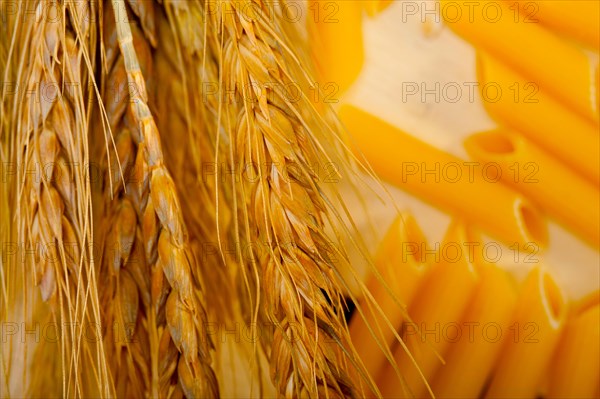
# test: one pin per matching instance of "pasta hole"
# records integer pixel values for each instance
(494, 143)
(553, 297)
(533, 225)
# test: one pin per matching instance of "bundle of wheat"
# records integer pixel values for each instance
(234, 221)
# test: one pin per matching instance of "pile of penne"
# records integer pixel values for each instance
(461, 326)
(468, 328)
(543, 57)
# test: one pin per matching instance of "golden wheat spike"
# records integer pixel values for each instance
(46, 121)
(184, 311)
(295, 281)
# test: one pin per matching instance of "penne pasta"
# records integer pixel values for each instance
(374, 7)
(575, 369)
(335, 29)
(562, 193)
(456, 186)
(470, 360)
(435, 313)
(532, 337)
(578, 20)
(586, 302)
(564, 70)
(400, 263)
(566, 135)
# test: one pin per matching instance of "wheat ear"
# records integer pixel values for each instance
(125, 273)
(299, 284)
(180, 63)
(166, 233)
(192, 73)
(50, 132)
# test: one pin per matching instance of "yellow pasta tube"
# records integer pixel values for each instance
(400, 263)
(571, 199)
(459, 187)
(470, 360)
(435, 313)
(575, 369)
(538, 320)
(579, 20)
(374, 7)
(565, 70)
(586, 302)
(566, 135)
(335, 28)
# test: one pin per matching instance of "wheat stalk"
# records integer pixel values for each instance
(193, 120)
(51, 200)
(125, 269)
(182, 66)
(167, 247)
(297, 278)
(130, 245)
